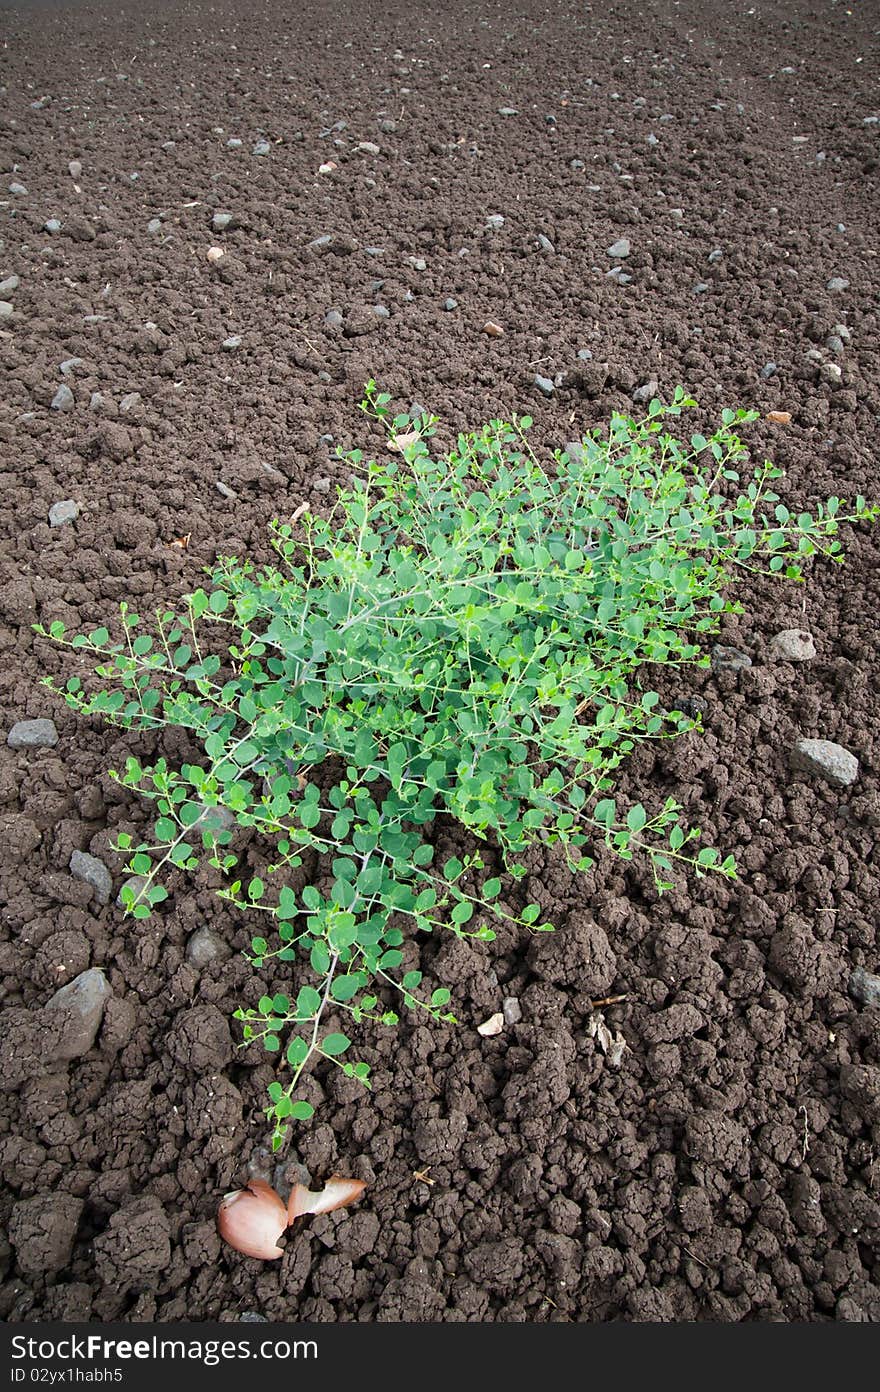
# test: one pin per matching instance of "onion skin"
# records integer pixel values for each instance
(337, 1193)
(252, 1220)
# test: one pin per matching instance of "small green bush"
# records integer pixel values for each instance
(463, 637)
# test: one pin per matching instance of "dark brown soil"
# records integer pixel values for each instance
(728, 1169)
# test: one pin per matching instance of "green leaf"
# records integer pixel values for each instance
(308, 1002)
(335, 1044)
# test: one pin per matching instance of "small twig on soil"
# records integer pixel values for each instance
(424, 1176)
(608, 1000)
(806, 1141)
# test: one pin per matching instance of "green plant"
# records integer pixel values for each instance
(463, 637)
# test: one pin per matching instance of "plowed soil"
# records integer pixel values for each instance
(728, 1168)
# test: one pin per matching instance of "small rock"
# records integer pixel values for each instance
(367, 147)
(82, 1001)
(647, 391)
(130, 403)
(136, 884)
(450, 304)
(768, 370)
(715, 256)
(544, 385)
(220, 222)
(492, 329)
(225, 491)
(864, 986)
(545, 244)
(381, 311)
(494, 1025)
(837, 283)
(511, 1010)
(577, 165)
(9, 286)
(52, 226)
(32, 734)
(215, 254)
(830, 372)
(495, 222)
(251, 1316)
(793, 645)
(261, 148)
(62, 513)
(619, 249)
(725, 659)
(230, 344)
(507, 111)
(20, 191)
(840, 329)
(825, 759)
(834, 344)
(204, 947)
(93, 872)
(70, 364)
(5, 309)
(233, 143)
(700, 288)
(320, 243)
(75, 169)
(154, 226)
(333, 319)
(63, 400)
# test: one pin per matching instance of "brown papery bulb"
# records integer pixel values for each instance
(252, 1220)
(337, 1193)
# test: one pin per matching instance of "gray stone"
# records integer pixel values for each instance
(507, 111)
(225, 491)
(768, 370)
(793, 645)
(495, 221)
(374, 251)
(82, 1001)
(154, 226)
(130, 403)
(136, 883)
(825, 759)
(320, 243)
(577, 165)
(834, 344)
(62, 513)
(864, 986)
(233, 143)
(418, 263)
(367, 147)
(75, 169)
(450, 304)
(70, 365)
(221, 221)
(52, 226)
(843, 332)
(20, 191)
(230, 344)
(585, 355)
(545, 245)
(5, 309)
(261, 148)
(33, 734)
(619, 249)
(544, 385)
(837, 283)
(700, 288)
(726, 659)
(647, 391)
(93, 872)
(204, 948)
(381, 311)
(715, 256)
(830, 372)
(251, 1317)
(9, 285)
(511, 1010)
(63, 400)
(218, 818)
(333, 319)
